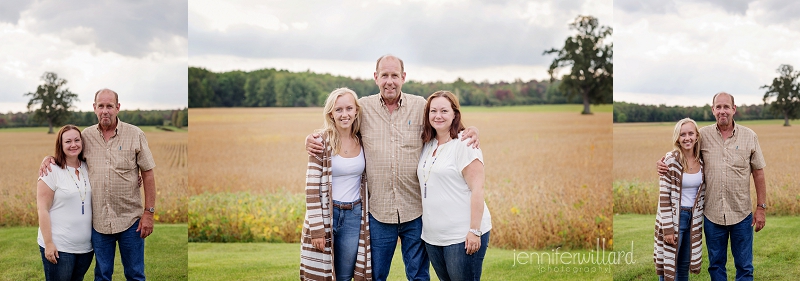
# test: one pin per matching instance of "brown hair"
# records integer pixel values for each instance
(60, 156)
(378, 63)
(428, 132)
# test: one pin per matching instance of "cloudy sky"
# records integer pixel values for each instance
(137, 48)
(683, 52)
(438, 40)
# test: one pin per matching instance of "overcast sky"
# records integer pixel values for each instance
(137, 48)
(683, 52)
(438, 40)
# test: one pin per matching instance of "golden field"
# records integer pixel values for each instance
(23, 152)
(548, 175)
(638, 146)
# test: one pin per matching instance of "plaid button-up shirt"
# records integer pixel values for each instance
(113, 173)
(392, 146)
(728, 166)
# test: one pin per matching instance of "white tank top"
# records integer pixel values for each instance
(690, 184)
(346, 172)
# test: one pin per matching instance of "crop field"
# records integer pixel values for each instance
(637, 147)
(548, 174)
(23, 151)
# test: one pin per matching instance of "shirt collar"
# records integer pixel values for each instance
(733, 133)
(399, 102)
(116, 129)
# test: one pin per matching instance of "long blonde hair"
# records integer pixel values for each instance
(329, 125)
(676, 135)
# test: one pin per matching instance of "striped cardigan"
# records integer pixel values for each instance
(668, 219)
(316, 264)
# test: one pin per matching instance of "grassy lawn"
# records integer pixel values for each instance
(577, 108)
(775, 251)
(281, 261)
(56, 128)
(165, 254)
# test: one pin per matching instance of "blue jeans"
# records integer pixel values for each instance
(346, 231)
(741, 235)
(383, 239)
(684, 257)
(131, 251)
(452, 262)
(70, 267)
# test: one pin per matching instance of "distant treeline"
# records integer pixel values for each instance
(281, 88)
(631, 112)
(178, 118)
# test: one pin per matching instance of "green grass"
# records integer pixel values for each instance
(165, 254)
(577, 108)
(146, 129)
(775, 251)
(281, 261)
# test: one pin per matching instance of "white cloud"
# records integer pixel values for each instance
(448, 36)
(149, 74)
(696, 51)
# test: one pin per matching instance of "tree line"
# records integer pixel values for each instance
(282, 88)
(177, 118)
(586, 54)
(781, 99)
(632, 112)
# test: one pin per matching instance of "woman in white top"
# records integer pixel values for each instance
(679, 219)
(455, 219)
(335, 241)
(64, 203)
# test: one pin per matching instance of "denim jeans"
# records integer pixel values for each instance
(70, 267)
(131, 251)
(346, 231)
(452, 262)
(383, 239)
(741, 236)
(684, 257)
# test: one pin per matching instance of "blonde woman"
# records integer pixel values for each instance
(335, 241)
(64, 203)
(679, 219)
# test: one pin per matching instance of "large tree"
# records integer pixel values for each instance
(54, 100)
(591, 61)
(786, 91)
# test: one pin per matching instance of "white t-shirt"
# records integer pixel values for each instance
(689, 186)
(346, 177)
(70, 225)
(445, 193)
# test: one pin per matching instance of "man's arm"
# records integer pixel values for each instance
(471, 133)
(146, 223)
(313, 145)
(45, 169)
(661, 167)
(760, 218)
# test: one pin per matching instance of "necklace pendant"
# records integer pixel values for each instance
(81, 208)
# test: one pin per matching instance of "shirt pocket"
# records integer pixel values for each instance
(741, 158)
(412, 135)
(124, 160)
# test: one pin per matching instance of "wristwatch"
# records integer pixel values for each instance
(763, 206)
(152, 210)
(476, 232)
